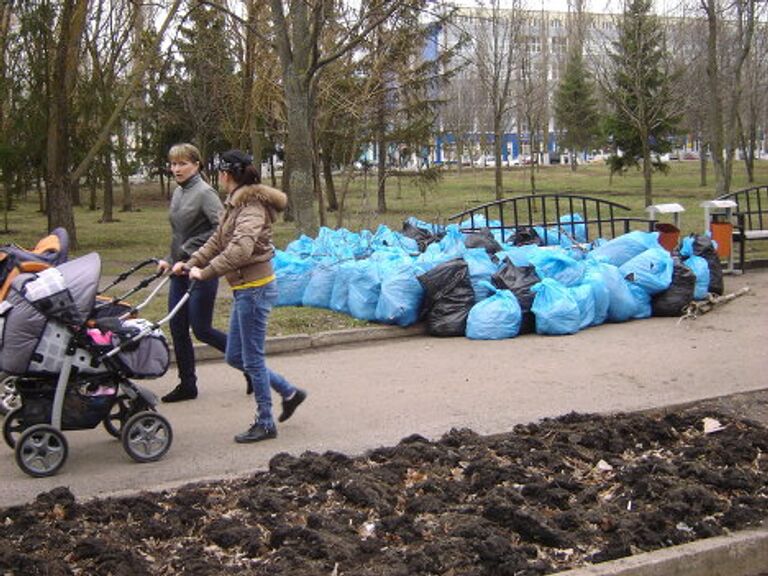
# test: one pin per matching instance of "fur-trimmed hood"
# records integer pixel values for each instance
(259, 192)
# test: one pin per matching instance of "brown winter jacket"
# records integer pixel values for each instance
(241, 247)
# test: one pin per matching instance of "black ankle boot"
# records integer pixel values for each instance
(180, 393)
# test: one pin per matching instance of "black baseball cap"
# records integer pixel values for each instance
(234, 161)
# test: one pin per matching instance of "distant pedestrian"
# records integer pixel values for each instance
(241, 250)
(194, 215)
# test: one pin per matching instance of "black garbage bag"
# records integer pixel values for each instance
(519, 280)
(448, 298)
(422, 236)
(703, 246)
(680, 293)
(525, 235)
(482, 239)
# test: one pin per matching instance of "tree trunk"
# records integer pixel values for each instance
(107, 214)
(532, 138)
(716, 136)
(5, 22)
(122, 162)
(298, 154)
(381, 171)
(498, 175)
(92, 191)
(330, 186)
(71, 27)
(647, 173)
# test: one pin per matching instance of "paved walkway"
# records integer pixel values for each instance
(374, 393)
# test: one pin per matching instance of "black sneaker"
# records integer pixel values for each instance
(290, 405)
(180, 393)
(256, 433)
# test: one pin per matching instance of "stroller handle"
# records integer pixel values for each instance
(153, 325)
(123, 275)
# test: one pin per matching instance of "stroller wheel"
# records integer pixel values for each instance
(147, 436)
(41, 450)
(13, 426)
(9, 397)
(119, 413)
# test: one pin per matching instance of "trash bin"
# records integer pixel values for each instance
(669, 235)
(722, 233)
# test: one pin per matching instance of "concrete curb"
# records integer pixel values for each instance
(739, 554)
(301, 342)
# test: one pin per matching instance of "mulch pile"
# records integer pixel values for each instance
(543, 498)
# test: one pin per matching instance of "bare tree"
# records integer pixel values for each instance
(497, 34)
(70, 31)
(725, 63)
(106, 42)
(298, 27)
(459, 114)
(688, 46)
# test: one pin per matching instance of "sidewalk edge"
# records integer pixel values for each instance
(743, 553)
(302, 342)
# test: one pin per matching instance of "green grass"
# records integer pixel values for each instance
(145, 232)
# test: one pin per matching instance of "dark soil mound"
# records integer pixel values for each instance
(543, 498)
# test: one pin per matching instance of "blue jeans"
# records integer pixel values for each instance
(246, 347)
(197, 314)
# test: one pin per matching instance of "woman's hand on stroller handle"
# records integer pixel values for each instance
(179, 268)
(163, 266)
(195, 273)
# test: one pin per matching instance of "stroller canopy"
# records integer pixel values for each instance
(64, 295)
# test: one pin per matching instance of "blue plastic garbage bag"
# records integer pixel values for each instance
(481, 268)
(302, 246)
(364, 289)
(643, 306)
(495, 317)
(320, 286)
(340, 292)
(623, 248)
(293, 273)
(555, 309)
(452, 244)
(429, 226)
(622, 305)
(401, 295)
(585, 299)
(340, 244)
(518, 255)
(700, 268)
(383, 237)
(556, 264)
(651, 270)
(703, 245)
(573, 225)
(596, 281)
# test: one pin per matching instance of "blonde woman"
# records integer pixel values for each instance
(194, 215)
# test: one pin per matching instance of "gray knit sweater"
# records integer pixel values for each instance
(194, 215)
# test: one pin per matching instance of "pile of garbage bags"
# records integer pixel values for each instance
(476, 285)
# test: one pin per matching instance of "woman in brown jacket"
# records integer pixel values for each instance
(241, 250)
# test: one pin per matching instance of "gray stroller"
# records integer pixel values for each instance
(74, 358)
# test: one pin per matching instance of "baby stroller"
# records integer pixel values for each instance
(74, 357)
(50, 251)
